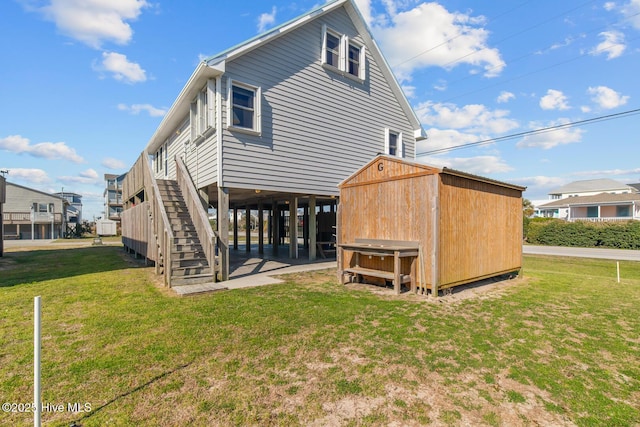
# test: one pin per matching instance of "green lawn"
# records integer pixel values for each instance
(559, 347)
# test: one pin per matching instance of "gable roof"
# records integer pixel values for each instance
(215, 66)
(598, 199)
(11, 184)
(603, 184)
(412, 168)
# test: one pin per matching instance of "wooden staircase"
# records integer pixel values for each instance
(189, 265)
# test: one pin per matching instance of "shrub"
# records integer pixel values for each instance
(556, 232)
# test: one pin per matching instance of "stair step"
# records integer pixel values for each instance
(186, 241)
(190, 271)
(192, 280)
(187, 248)
(189, 263)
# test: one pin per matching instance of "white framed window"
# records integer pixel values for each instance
(356, 60)
(203, 111)
(343, 55)
(393, 145)
(244, 107)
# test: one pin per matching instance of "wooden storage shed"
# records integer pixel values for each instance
(462, 227)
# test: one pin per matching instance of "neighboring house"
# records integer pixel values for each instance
(590, 187)
(3, 186)
(74, 208)
(274, 124)
(636, 186)
(113, 197)
(599, 207)
(32, 214)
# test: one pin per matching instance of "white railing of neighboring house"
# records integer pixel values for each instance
(603, 219)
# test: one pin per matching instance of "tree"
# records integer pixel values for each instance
(527, 208)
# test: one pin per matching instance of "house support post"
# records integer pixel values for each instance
(312, 228)
(247, 231)
(293, 228)
(275, 223)
(223, 231)
(260, 228)
(235, 228)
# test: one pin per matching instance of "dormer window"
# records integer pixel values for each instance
(343, 55)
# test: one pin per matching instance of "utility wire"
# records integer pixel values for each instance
(533, 132)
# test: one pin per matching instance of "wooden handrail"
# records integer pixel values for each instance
(197, 212)
(163, 228)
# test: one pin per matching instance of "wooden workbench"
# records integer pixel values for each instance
(381, 248)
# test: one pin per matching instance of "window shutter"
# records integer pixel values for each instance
(193, 117)
(344, 53)
(323, 53)
(211, 103)
(386, 140)
(363, 63)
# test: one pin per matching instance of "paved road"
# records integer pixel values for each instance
(617, 254)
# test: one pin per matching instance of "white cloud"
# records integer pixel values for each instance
(266, 19)
(632, 11)
(138, 108)
(450, 39)
(554, 100)
(608, 172)
(475, 118)
(613, 45)
(121, 68)
(442, 139)
(111, 163)
(94, 22)
(48, 150)
(35, 176)
(90, 176)
(550, 139)
(609, 6)
(607, 98)
(505, 97)
(476, 165)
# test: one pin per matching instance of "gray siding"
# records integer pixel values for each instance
(20, 199)
(318, 127)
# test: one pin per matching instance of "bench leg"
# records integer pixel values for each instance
(414, 276)
(396, 272)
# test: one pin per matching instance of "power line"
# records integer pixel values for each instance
(533, 132)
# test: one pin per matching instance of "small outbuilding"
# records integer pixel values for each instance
(435, 228)
(106, 227)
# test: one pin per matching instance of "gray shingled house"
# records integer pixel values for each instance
(270, 125)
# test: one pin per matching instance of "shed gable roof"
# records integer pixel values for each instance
(387, 168)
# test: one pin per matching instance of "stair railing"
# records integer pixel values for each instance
(197, 213)
(163, 230)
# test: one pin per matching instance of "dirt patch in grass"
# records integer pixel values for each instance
(7, 263)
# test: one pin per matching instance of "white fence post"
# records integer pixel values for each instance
(37, 401)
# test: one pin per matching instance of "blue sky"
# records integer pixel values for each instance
(84, 84)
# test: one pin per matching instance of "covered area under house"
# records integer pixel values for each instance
(213, 234)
